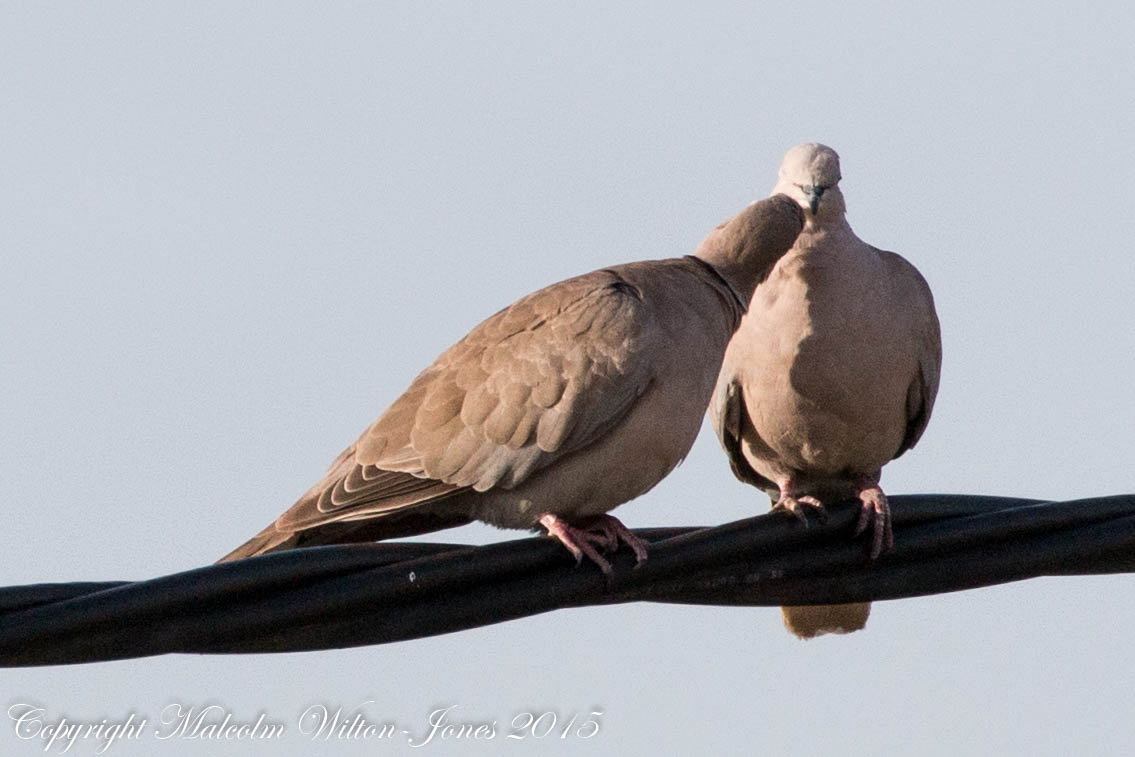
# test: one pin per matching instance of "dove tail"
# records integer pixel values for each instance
(269, 540)
(393, 526)
(810, 621)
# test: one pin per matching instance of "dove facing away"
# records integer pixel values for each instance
(832, 373)
(553, 411)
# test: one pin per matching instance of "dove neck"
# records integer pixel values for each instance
(726, 290)
(820, 228)
(741, 280)
(741, 258)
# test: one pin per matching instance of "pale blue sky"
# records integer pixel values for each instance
(229, 236)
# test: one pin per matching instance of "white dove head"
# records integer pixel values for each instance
(810, 175)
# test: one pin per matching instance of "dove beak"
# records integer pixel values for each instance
(814, 194)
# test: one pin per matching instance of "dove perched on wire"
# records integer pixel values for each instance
(557, 409)
(832, 373)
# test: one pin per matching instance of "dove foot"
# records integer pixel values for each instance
(792, 501)
(604, 532)
(876, 512)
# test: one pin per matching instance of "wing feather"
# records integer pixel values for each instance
(534, 382)
(928, 335)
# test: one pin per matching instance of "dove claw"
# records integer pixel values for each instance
(604, 532)
(799, 505)
(876, 511)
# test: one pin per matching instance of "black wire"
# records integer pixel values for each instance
(352, 595)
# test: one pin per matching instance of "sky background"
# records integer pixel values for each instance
(231, 234)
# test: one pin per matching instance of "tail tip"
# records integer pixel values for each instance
(810, 621)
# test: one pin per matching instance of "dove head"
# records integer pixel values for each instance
(809, 174)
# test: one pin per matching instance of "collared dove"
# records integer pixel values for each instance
(832, 373)
(552, 412)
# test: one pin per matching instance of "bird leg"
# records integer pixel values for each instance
(876, 511)
(791, 500)
(604, 531)
(613, 531)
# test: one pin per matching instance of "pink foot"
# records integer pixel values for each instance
(792, 501)
(604, 531)
(877, 512)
